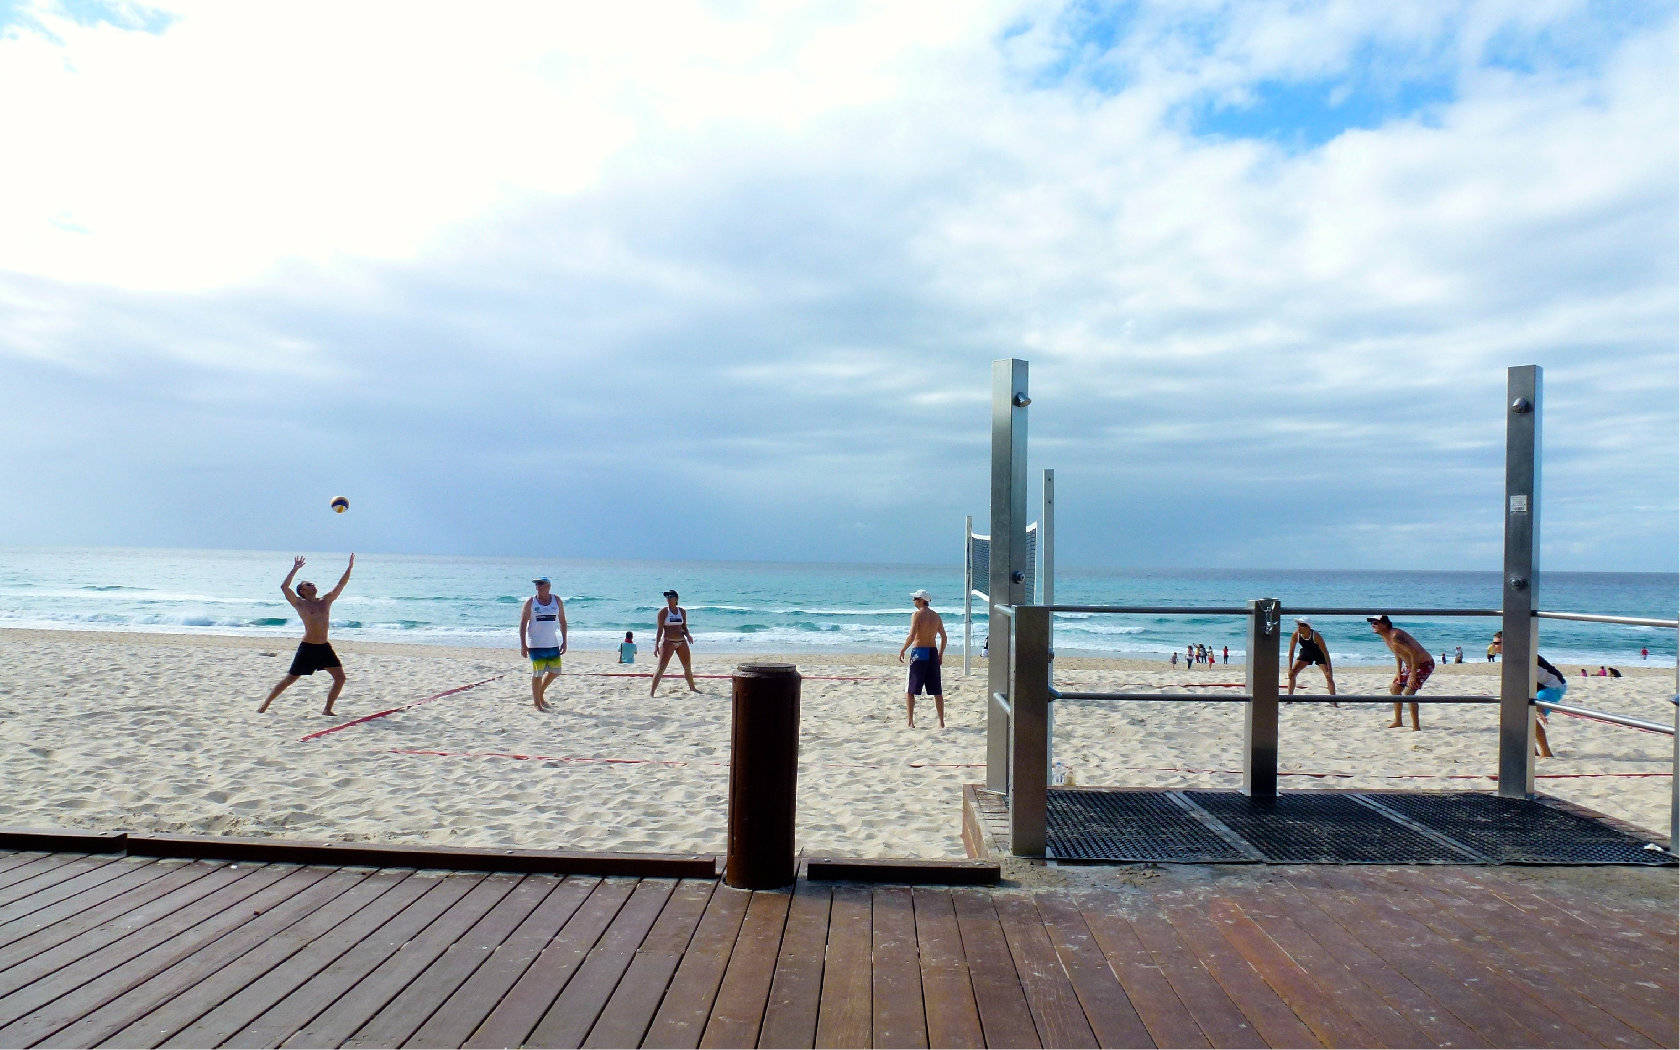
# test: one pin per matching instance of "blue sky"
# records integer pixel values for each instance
(725, 281)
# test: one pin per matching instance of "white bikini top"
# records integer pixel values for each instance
(673, 618)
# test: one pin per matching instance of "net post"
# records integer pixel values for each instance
(1007, 567)
(1260, 720)
(1029, 745)
(1047, 551)
(1521, 585)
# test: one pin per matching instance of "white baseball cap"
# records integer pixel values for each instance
(923, 595)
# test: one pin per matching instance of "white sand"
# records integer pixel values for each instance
(160, 733)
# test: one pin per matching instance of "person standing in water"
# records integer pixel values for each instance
(672, 635)
(314, 653)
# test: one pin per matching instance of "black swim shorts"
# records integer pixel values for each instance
(312, 657)
(924, 673)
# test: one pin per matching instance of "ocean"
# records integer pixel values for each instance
(794, 608)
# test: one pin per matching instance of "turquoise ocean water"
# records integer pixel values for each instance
(771, 608)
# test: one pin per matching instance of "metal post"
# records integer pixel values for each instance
(1007, 585)
(1521, 580)
(1047, 587)
(1029, 745)
(1674, 780)
(968, 588)
(1260, 723)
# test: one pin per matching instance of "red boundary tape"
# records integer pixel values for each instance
(397, 710)
(678, 674)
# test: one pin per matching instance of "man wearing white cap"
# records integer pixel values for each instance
(542, 638)
(925, 657)
(1313, 651)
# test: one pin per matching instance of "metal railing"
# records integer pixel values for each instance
(1027, 707)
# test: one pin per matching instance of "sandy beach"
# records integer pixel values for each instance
(160, 732)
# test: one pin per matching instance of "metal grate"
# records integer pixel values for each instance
(1321, 827)
(1107, 825)
(1521, 831)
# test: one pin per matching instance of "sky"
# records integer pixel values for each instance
(726, 281)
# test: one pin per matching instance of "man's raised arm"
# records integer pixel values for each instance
(342, 580)
(286, 584)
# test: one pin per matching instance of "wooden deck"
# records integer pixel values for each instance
(145, 951)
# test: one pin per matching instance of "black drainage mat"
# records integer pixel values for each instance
(1520, 831)
(1321, 827)
(1106, 825)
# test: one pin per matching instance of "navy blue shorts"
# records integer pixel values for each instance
(312, 657)
(924, 672)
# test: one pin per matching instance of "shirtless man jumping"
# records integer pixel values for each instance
(1412, 663)
(925, 658)
(314, 653)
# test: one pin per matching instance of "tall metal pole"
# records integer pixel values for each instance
(1047, 587)
(1260, 722)
(1030, 736)
(968, 588)
(1521, 580)
(1007, 585)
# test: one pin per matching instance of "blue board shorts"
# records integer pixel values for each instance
(924, 672)
(545, 661)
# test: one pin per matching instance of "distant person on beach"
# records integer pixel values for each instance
(1174, 659)
(1227, 654)
(672, 636)
(627, 648)
(542, 637)
(1458, 654)
(1314, 650)
(926, 628)
(1549, 687)
(314, 653)
(1497, 646)
(1413, 664)
(1644, 654)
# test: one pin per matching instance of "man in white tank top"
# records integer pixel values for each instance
(542, 637)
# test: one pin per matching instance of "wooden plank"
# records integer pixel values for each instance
(371, 991)
(1221, 1020)
(625, 1019)
(790, 1015)
(1588, 916)
(398, 1019)
(453, 1022)
(1005, 1018)
(1412, 1003)
(1113, 1019)
(12, 858)
(1435, 968)
(511, 1021)
(1527, 958)
(681, 1017)
(569, 1020)
(1454, 945)
(153, 1010)
(739, 1008)
(1057, 1013)
(844, 1010)
(79, 889)
(1271, 1017)
(63, 840)
(457, 859)
(953, 1018)
(239, 904)
(1385, 1024)
(904, 872)
(1311, 1001)
(89, 978)
(899, 1016)
(298, 953)
(321, 988)
(1163, 1013)
(95, 933)
(21, 867)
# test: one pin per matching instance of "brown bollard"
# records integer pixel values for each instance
(763, 776)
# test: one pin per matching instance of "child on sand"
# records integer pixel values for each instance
(627, 648)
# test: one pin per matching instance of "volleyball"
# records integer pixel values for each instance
(340, 505)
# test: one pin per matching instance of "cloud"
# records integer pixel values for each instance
(738, 274)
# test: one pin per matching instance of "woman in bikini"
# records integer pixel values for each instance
(672, 636)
